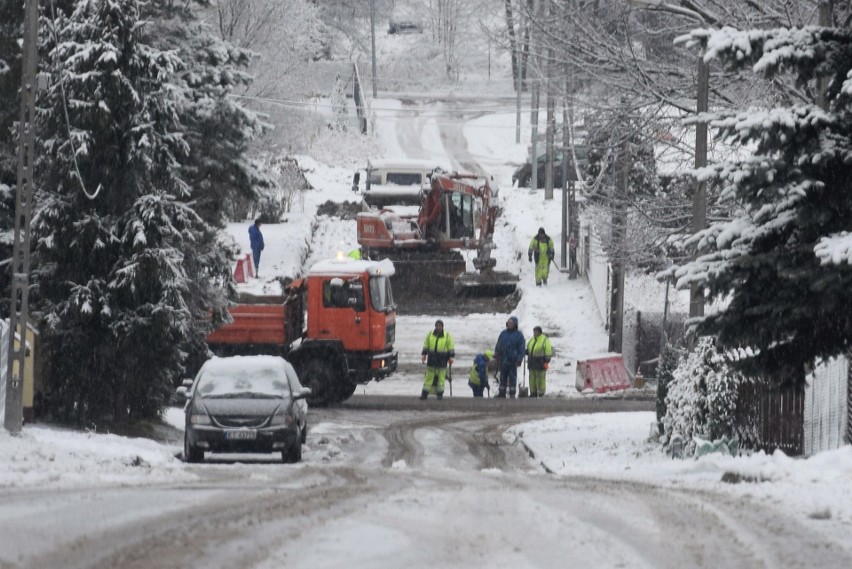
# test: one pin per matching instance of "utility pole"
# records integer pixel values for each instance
(551, 111)
(619, 195)
(566, 205)
(826, 7)
(535, 99)
(373, 43)
(14, 410)
(699, 201)
(519, 79)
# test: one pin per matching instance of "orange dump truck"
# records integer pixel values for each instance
(336, 325)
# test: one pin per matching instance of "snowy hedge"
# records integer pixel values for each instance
(701, 398)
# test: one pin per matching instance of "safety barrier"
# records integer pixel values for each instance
(602, 374)
(240, 271)
(249, 266)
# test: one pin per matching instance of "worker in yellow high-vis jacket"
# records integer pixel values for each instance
(438, 352)
(539, 351)
(541, 250)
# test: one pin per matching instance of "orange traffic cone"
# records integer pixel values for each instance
(240, 271)
(249, 266)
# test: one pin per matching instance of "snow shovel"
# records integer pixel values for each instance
(450, 378)
(558, 270)
(523, 390)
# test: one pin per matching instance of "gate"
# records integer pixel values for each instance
(769, 417)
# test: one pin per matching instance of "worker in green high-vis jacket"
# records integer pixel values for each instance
(542, 252)
(539, 351)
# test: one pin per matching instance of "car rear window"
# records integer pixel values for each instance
(260, 381)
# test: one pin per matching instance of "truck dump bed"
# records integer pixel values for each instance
(253, 324)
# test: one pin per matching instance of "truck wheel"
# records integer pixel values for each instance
(320, 378)
(346, 390)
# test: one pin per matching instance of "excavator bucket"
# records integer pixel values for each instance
(425, 273)
(494, 283)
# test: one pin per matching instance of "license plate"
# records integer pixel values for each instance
(241, 435)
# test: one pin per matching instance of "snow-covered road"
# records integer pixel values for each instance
(385, 489)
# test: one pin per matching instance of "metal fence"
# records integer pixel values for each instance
(826, 400)
(799, 420)
(598, 271)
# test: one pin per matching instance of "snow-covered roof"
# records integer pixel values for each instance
(404, 164)
(243, 365)
(351, 267)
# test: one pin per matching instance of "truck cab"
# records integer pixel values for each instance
(336, 325)
(351, 302)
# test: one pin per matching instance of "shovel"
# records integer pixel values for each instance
(523, 390)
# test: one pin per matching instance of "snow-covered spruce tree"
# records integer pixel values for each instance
(665, 375)
(111, 244)
(785, 263)
(702, 397)
(11, 30)
(218, 128)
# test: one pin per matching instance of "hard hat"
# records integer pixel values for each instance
(489, 354)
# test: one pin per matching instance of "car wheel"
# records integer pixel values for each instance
(294, 454)
(304, 437)
(320, 377)
(191, 453)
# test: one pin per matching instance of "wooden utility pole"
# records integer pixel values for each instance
(536, 80)
(619, 212)
(551, 112)
(14, 409)
(826, 8)
(373, 45)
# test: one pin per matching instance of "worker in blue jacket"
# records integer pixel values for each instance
(256, 243)
(509, 353)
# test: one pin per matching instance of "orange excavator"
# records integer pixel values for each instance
(455, 215)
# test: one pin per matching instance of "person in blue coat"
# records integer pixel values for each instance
(509, 353)
(256, 242)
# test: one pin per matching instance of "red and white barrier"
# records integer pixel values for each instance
(602, 373)
(240, 271)
(249, 266)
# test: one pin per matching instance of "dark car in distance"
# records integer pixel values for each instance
(245, 404)
(523, 175)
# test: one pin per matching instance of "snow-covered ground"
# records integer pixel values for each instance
(816, 491)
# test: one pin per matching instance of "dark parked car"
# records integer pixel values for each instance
(245, 404)
(405, 27)
(523, 175)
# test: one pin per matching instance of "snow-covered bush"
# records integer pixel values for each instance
(701, 397)
(665, 375)
(338, 103)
